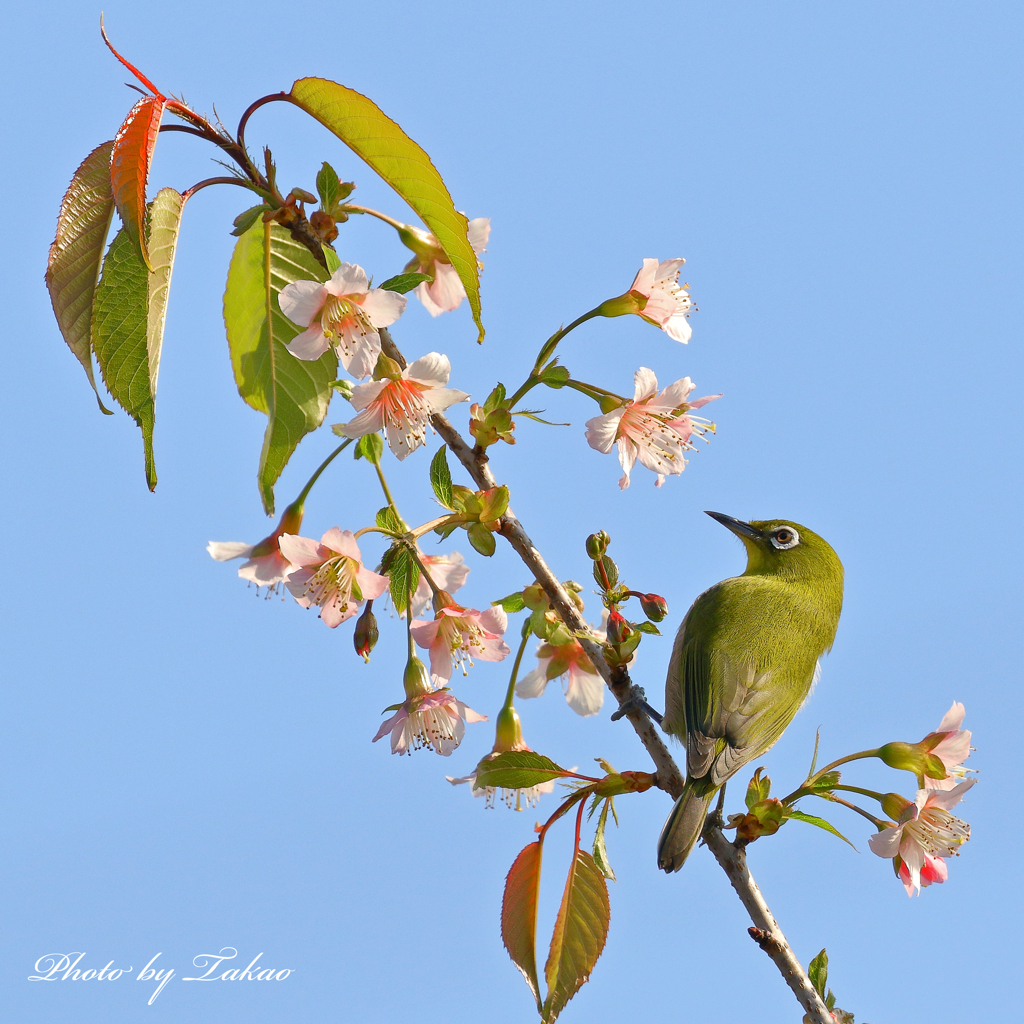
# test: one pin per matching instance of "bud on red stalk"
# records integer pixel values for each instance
(597, 544)
(655, 607)
(366, 634)
(618, 628)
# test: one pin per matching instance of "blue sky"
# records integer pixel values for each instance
(188, 767)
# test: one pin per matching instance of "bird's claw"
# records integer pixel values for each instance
(636, 701)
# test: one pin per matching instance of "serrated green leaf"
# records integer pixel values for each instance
(519, 914)
(369, 447)
(828, 781)
(129, 315)
(494, 503)
(403, 576)
(76, 255)
(758, 789)
(812, 819)
(403, 283)
(581, 930)
(481, 538)
(512, 603)
(610, 568)
(441, 477)
(247, 218)
(292, 393)
(328, 185)
(495, 398)
(555, 377)
(647, 627)
(600, 848)
(387, 520)
(517, 769)
(378, 140)
(817, 971)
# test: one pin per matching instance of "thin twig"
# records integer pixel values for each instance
(766, 932)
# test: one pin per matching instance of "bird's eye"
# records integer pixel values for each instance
(785, 538)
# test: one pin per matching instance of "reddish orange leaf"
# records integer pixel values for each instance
(519, 915)
(129, 166)
(131, 67)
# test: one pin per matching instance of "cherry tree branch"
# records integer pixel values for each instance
(733, 859)
(766, 931)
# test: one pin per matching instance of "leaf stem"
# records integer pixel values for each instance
(877, 822)
(188, 193)
(396, 224)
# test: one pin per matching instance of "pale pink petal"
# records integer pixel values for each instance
(934, 870)
(424, 631)
(953, 718)
(423, 294)
(358, 352)
(913, 860)
(310, 344)
(678, 328)
(342, 541)
(479, 233)
(886, 843)
(433, 369)
(469, 714)
(446, 291)
(382, 307)
(584, 692)
(449, 572)
(534, 683)
(370, 583)
(645, 384)
(223, 550)
(301, 301)
(266, 570)
(644, 280)
(674, 395)
(390, 723)
(335, 612)
(297, 582)
(439, 399)
(491, 649)
(954, 749)
(947, 800)
(601, 430)
(301, 550)
(661, 306)
(348, 279)
(627, 460)
(440, 661)
(364, 394)
(494, 619)
(697, 403)
(668, 270)
(369, 421)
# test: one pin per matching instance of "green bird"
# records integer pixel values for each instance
(744, 660)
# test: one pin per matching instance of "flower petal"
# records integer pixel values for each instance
(383, 308)
(301, 550)
(953, 718)
(348, 279)
(584, 692)
(301, 301)
(886, 843)
(310, 344)
(533, 683)
(478, 233)
(645, 383)
(224, 550)
(602, 430)
(433, 369)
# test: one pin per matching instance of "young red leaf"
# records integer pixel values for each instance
(76, 255)
(581, 929)
(519, 915)
(129, 166)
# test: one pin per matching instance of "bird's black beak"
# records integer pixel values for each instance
(737, 526)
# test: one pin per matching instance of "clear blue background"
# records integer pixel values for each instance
(186, 766)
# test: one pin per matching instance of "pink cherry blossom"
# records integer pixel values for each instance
(668, 305)
(584, 688)
(932, 870)
(952, 749)
(434, 719)
(457, 635)
(403, 407)
(446, 291)
(448, 572)
(266, 566)
(330, 574)
(654, 428)
(926, 829)
(345, 312)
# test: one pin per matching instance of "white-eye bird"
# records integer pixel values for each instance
(744, 660)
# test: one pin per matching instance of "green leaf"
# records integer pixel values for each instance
(76, 255)
(387, 520)
(555, 377)
(517, 769)
(600, 849)
(758, 789)
(403, 576)
(292, 393)
(481, 538)
(369, 447)
(378, 140)
(519, 914)
(344, 388)
(581, 929)
(441, 477)
(403, 283)
(511, 604)
(647, 627)
(495, 502)
(610, 568)
(495, 398)
(817, 971)
(828, 781)
(129, 314)
(247, 218)
(812, 819)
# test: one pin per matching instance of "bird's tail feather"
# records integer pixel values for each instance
(682, 830)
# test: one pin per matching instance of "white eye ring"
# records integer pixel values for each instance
(794, 538)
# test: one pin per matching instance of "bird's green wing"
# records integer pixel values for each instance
(744, 667)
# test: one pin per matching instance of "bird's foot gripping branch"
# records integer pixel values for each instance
(306, 326)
